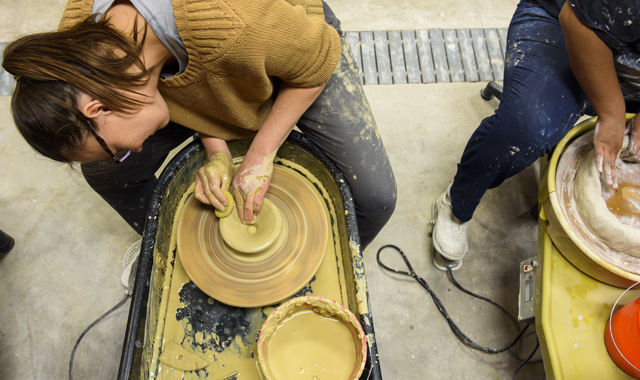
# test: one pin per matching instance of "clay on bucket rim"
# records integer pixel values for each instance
(298, 304)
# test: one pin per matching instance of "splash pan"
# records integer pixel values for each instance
(177, 331)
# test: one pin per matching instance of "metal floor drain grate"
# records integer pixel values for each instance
(429, 56)
(410, 56)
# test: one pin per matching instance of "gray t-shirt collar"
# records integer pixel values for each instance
(159, 16)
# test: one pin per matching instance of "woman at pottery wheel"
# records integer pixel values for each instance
(563, 60)
(124, 82)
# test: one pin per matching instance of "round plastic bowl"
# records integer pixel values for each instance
(624, 326)
(316, 341)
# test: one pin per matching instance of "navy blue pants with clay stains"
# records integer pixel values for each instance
(340, 122)
(541, 102)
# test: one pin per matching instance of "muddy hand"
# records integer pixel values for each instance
(608, 142)
(212, 178)
(251, 183)
(631, 151)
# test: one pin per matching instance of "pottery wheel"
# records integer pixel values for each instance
(266, 276)
(611, 215)
(568, 166)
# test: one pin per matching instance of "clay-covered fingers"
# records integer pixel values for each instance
(249, 187)
(199, 191)
(258, 201)
(248, 213)
(607, 143)
(631, 150)
(208, 191)
(241, 205)
(609, 173)
(245, 195)
(212, 179)
(605, 163)
(240, 201)
(251, 183)
(252, 202)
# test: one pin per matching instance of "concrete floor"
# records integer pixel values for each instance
(65, 268)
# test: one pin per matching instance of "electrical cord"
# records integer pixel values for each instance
(502, 309)
(130, 265)
(73, 352)
(440, 306)
(517, 356)
(515, 374)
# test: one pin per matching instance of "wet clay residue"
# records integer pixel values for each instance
(590, 193)
(308, 345)
(312, 338)
(221, 336)
(566, 171)
(214, 325)
(625, 202)
(179, 357)
(277, 262)
(257, 237)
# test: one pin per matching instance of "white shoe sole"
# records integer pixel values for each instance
(129, 264)
(440, 261)
(444, 264)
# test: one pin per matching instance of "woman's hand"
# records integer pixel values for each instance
(607, 142)
(252, 180)
(251, 183)
(212, 178)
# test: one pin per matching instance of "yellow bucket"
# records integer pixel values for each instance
(312, 338)
(572, 247)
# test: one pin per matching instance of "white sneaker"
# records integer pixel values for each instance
(129, 264)
(449, 233)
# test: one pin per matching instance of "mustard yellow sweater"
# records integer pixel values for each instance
(236, 49)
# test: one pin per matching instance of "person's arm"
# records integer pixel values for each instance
(592, 64)
(252, 180)
(216, 173)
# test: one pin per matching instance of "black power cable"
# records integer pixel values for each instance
(526, 360)
(454, 327)
(103, 316)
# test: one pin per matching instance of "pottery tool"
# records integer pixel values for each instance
(229, 376)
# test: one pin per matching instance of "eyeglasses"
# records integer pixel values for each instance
(118, 156)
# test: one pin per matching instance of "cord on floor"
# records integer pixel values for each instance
(454, 327)
(515, 374)
(73, 352)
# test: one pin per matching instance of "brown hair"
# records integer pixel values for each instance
(52, 68)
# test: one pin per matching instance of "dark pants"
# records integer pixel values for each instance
(541, 102)
(340, 122)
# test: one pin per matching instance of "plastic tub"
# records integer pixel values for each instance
(622, 338)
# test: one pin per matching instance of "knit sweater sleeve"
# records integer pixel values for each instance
(301, 50)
